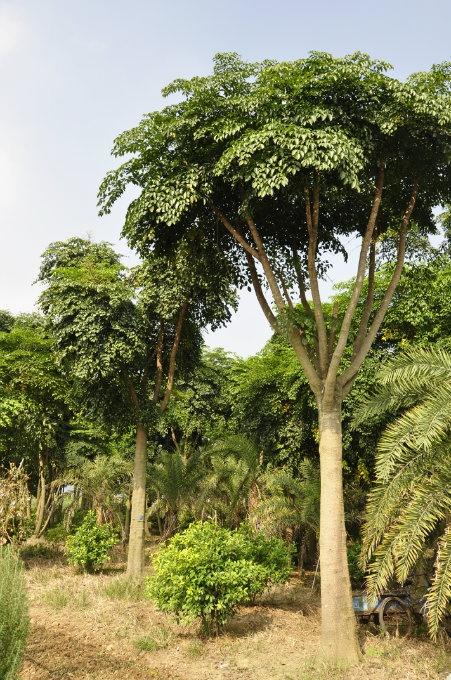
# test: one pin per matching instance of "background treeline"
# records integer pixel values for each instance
(238, 441)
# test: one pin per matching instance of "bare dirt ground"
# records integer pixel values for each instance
(86, 627)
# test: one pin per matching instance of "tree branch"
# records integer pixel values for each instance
(293, 332)
(133, 397)
(302, 354)
(333, 329)
(159, 363)
(301, 283)
(312, 227)
(173, 356)
(267, 311)
(286, 292)
(262, 256)
(350, 373)
(329, 385)
(368, 306)
(235, 233)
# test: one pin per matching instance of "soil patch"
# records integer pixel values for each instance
(84, 627)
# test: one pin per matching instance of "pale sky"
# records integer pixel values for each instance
(75, 74)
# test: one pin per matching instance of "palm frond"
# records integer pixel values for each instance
(412, 496)
(440, 592)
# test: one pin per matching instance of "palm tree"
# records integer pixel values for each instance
(228, 488)
(289, 504)
(175, 477)
(410, 506)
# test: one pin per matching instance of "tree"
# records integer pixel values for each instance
(411, 502)
(226, 494)
(285, 425)
(293, 159)
(289, 503)
(201, 410)
(123, 334)
(14, 505)
(104, 482)
(34, 410)
(176, 477)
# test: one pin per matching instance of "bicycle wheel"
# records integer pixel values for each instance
(395, 617)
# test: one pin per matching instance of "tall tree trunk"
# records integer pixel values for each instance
(338, 623)
(40, 498)
(135, 559)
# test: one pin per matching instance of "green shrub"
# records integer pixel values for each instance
(271, 553)
(13, 614)
(89, 547)
(206, 571)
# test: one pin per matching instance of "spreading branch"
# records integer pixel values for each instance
(368, 305)
(330, 382)
(301, 283)
(159, 363)
(267, 311)
(333, 329)
(235, 233)
(173, 356)
(312, 218)
(361, 351)
(263, 257)
(294, 333)
(133, 397)
(286, 291)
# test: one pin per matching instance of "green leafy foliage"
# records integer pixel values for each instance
(14, 621)
(356, 572)
(206, 571)
(14, 505)
(233, 471)
(176, 479)
(284, 426)
(56, 534)
(203, 404)
(90, 546)
(288, 501)
(34, 396)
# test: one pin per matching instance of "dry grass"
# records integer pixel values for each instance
(99, 627)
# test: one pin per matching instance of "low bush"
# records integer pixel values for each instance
(90, 546)
(14, 620)
(271, 553)
(206, 571)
